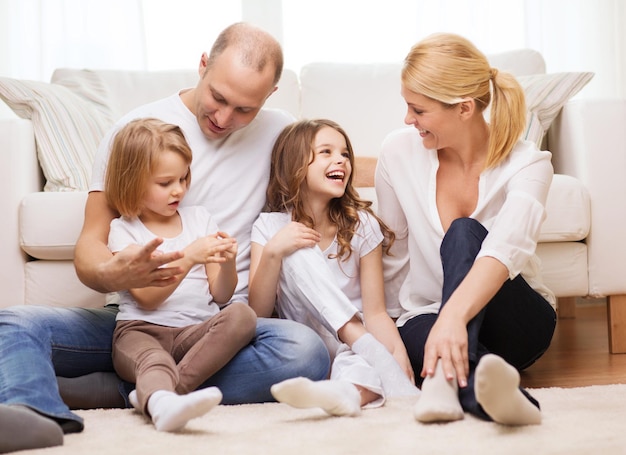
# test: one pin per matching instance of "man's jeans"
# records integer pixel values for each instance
(39, 343)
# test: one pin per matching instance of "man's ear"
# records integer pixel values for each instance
(270, 93)
(204, 61)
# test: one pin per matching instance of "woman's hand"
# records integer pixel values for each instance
(447, 342)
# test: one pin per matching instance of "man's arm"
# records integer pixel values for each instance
(133, 267)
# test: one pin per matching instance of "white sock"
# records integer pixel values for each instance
(497, 391)
(171, 412)
(439, 400)
(134, 401)
(394, 379)
(336, 397)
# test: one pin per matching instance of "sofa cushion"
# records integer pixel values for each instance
(545, 96)
(69, 118)
(54, 283)
(335, 90)
(568, 209)
(129, 89)
(50, 223)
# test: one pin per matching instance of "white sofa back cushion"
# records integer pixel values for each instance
(129, 89)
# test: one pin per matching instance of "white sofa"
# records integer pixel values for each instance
(581, 250)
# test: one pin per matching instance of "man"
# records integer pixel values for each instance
(231, 137)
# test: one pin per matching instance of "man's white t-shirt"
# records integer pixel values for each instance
(228, 176)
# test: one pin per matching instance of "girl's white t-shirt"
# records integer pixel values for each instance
(347, 272)
(191, 302)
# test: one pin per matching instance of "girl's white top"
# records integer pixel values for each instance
(191, 302)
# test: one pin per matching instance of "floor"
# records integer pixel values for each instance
(579, 354)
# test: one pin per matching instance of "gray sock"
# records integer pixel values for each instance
(394, 379)
(92, 391)
(21, 428)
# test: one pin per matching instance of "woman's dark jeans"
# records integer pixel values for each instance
(517, 324)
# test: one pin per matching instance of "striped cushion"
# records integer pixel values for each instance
(545, 96)
(69, 117)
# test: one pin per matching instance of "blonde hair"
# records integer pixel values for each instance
(134, 154)
(448, 68)
(291, 156)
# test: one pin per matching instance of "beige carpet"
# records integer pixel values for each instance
(587, 420)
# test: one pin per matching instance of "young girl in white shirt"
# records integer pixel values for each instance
(315, 220)
(170, 339)
(466, 199)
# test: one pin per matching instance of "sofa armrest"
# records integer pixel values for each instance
(588, 141)
(19, 175)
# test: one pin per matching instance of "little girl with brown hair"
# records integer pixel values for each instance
(315, 220)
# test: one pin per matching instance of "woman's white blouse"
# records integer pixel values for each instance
(511, 206)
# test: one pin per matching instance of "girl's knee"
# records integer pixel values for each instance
(241, 318)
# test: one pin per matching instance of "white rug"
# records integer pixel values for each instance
(586, 420)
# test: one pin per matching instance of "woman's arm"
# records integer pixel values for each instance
(377, 320)
(448, 337)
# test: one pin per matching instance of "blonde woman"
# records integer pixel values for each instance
(465, 197)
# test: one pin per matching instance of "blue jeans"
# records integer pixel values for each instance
(39, 343)
(517, 324)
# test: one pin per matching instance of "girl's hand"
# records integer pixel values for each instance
(229, 254)
(291, 238)
(447, 342)
(214, 248)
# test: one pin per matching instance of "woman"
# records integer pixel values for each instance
(466, 199)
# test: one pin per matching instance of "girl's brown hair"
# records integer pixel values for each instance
(291, 156)
(449, 68)
(134, 154)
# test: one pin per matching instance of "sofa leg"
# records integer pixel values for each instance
(616, 319)
(566, 307)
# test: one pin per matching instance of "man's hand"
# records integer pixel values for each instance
(140, 266)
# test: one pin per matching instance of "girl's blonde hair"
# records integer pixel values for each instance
(134, 154)
(448, 68)
(291, 156)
